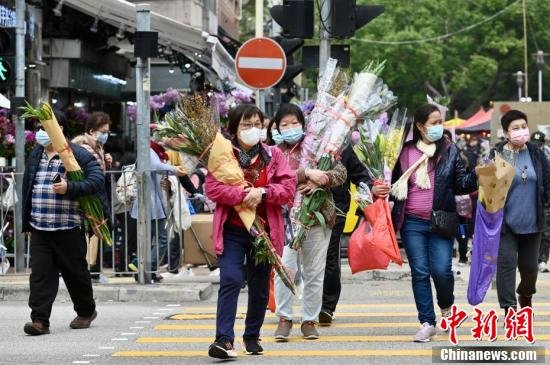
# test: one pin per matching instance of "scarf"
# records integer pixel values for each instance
(160, 151)
(400, 189)
(245, 157)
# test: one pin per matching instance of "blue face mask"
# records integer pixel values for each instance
(435, 133)
(102, 137)
(276, 137)
(42, 138)
(293, 135)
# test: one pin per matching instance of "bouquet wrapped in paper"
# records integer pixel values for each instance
(328, 133)
(90, 205)
(381, 144)
(192, 130)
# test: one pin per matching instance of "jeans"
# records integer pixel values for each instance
(235, 262)
(332, 286)
(429, 255)
(517, 252)
(314, 254)
(53, 253)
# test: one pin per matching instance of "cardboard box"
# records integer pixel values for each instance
(198, 248)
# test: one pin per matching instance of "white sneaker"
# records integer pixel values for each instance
(543, 267)
(215, 272)
(102, 279)
(174, 277)
(425, 334)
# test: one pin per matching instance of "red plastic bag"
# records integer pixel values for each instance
(374, 244)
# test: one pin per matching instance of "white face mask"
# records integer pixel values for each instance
(263, 135)
(250, 137)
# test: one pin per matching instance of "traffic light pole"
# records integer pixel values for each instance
(260, 94)
(19, 134)
(324, 44)
(143, 92)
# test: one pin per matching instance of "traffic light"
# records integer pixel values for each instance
(347, 17)
(295, 17)
(290, 46)
(7, 57)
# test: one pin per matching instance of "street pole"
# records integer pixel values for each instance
(19, 133)
(524, 5)
(260, 94)
(540, 65)
(143, 92)
(324, 44)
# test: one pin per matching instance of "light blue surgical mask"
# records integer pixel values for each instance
(435, 133)
(42, 138)
(276, 137)
(102, 137)
(293, 135)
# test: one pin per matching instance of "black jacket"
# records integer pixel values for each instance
(451, 179)
(357, 173)
(93, 184)
(542, 168)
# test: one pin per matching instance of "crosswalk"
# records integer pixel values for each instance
(360, 331)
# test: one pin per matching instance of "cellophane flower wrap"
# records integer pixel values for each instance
(90, 205)
(329, 128)
(193, 130)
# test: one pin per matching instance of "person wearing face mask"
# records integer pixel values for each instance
(270, 183)
(52, 215)
(524, 218)
(428, 175)
(96, 134)
(290, 122)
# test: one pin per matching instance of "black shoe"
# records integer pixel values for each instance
(325, 317)
(36, 328)
(222, 350)
(252, 346)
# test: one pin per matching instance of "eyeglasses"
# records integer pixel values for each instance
(248, 125)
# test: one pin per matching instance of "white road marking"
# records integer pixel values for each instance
(137, 328)
(106, 347)
(150, 317)
(119, 339)
(142, 322)
(128, 334)
(91, 355)
(173, 305)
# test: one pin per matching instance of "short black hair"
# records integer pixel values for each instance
(62, 120)
(240, 112)
(510, 116)
(289, 109)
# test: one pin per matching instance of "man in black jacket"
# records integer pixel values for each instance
(357, 173)
(51, 213)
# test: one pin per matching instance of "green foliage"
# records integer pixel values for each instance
(471, 68)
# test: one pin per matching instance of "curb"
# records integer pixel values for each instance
(194, 292)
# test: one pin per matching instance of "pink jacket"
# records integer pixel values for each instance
(280, 190)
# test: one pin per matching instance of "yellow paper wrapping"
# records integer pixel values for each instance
(225, 168)
(495, 180)
(60, 144)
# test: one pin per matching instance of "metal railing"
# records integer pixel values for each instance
(122, 258)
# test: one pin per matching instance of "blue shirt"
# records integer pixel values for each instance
(51, 211)
(520, 211)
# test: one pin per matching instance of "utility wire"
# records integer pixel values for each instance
(443, 36)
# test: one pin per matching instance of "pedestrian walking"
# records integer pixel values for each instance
(271, 184)
(524, 219)
(428, 175)
(290, 123)
(52, 215)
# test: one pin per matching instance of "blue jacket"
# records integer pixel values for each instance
(93, 184)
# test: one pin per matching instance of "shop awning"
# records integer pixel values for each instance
(453, 123)
(479, 118)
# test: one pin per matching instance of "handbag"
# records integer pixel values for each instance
(444, 223)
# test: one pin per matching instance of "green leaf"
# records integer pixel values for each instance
(321, 220)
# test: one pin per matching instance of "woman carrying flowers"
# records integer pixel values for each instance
(428, 175)
(290, 123)
(271, 184)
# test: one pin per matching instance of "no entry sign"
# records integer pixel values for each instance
(260, 63)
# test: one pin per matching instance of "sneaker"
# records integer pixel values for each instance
(100, 279)
(543, 267)
(525, 301)
(426, 332)
(252, 346)
(133, 265)
(222, 350)
(155, 279)
(36, 328)
(325, 317)
(283, 330)
(309, 331)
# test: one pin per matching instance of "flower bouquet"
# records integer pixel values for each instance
(363, 196)
(192, 130)
(90, 205)
(328, 133)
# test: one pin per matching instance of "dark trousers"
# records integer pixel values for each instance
(517, 251)
(53, 253)
(332, 285)
(236, 262)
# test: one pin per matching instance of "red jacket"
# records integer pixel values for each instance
(280, 190)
